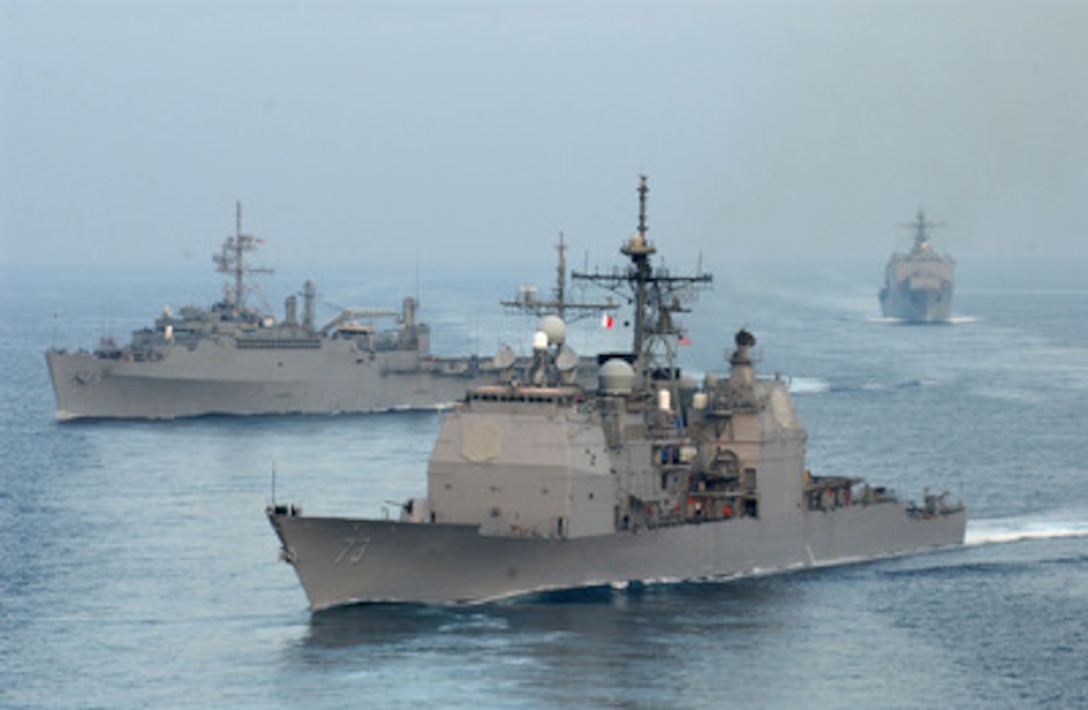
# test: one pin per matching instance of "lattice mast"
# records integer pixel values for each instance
(656, 297)
(231, 259)
(559, 304)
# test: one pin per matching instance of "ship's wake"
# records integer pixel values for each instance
(951, 320)
(817, 385)
(808, 385)
(984, 532)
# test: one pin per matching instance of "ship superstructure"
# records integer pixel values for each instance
(536, 483)
(918, 284)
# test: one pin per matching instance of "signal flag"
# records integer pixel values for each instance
(606, 320)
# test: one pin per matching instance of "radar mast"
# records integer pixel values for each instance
(921, 237)
(558, 304)
(656, 295)
(231, 259)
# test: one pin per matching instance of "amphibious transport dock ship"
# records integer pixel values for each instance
(918, 284)
(537, 484)
(233, 359)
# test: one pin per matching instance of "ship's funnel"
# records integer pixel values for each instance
(742, 373)
(309, 293)
(745, 341)
(290, 309)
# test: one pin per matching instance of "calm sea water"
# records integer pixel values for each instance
(137, 568)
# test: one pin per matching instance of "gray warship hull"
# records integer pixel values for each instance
(215, 378)
(917, 304)
(343, 561)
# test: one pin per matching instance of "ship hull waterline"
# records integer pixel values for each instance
(342, 561)
(90, 387)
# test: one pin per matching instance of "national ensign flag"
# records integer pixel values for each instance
(606, 320)
(684, 339)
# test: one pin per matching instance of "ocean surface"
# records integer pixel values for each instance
(137, 568)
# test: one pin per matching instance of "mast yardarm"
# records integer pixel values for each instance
(656, 296)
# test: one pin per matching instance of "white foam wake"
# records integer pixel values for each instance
(808, 385)
(982, 532)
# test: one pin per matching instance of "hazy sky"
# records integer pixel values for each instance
(404, 130)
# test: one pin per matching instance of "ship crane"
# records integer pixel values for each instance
(350, 315)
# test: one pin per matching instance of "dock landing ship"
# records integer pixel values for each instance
(233, 359)
(918, 285)
(536, 483)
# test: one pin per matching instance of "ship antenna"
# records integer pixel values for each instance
(558, 304)
(239, 255)
(639, 250)
(643, 188)
(561, 279)
(920, 236)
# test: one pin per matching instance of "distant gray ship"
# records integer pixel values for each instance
(918, 285)
(650, 476)
(233, 359)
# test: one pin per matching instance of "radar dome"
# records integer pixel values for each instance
(617, 377)
(554, 328)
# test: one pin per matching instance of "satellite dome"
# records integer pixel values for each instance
(617, 377)
(554, 328)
